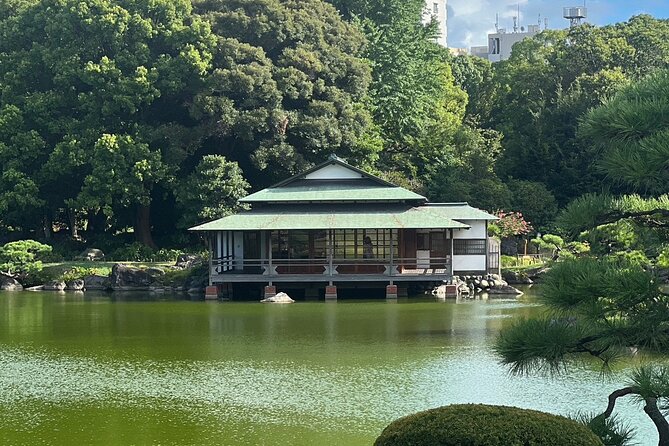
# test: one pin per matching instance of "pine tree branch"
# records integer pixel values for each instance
(641, 217)
(613, 398)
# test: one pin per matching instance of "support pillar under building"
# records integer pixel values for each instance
(330, 292)
(270, 291)
(211, 292)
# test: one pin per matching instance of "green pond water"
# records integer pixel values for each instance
(98, 369)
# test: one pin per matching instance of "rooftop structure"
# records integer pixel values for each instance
(575, 15)
(501, 43)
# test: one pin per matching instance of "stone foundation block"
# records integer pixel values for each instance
(270, 291)
(211, 292)
(330, 292)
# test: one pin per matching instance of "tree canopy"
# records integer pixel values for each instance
(550, 82)
(109, 108)
(159, 90)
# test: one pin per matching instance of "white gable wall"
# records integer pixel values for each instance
(467, 263)
(333, 172)
(477, 229)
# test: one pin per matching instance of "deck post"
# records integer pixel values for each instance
(452, 254)
(392, 248)
(487, 250)
(330, 253)
(269, 256)
(330, 292)
(270, 291)
(211, 263)
(391, 291)
(211, 291)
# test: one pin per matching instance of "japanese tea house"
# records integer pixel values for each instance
(338, 226)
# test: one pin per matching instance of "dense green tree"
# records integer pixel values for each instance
(475, 76)
(288, 87)
(92, 81)
(631, 130)
(466, 173)
(535, 200)
(551, 81)
(108, 107)
(211, 191)
(413, 95)
(22, 258)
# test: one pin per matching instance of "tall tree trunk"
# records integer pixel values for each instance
(96, 221)
(142, 226)
(72, 218)
(47, 226)
(658, 419)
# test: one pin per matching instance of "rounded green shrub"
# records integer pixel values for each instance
(482, 425)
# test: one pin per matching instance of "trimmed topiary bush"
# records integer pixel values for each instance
(482, 425)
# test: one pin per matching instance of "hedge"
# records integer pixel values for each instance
(482, 425)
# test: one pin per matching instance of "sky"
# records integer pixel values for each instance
(470, 21)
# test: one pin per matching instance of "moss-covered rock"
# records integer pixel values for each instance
(482, 425)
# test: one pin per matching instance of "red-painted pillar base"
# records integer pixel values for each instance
(270, 291)
(391, 292)
(211, 292)
(451, 291)
(330, 292)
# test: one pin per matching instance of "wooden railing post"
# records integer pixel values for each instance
(392, 248)
(211, 263)
(330, 253)
(269, 257)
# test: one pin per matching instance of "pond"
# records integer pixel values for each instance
(135, 369)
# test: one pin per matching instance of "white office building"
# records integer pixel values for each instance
(501, 43)
(436, 9)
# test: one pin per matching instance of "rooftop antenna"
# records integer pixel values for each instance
(497, 22)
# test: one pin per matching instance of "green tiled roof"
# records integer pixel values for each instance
(335, 191)
(423, 217)
(459, 211)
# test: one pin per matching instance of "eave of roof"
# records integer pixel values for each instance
(325, 192)
(460, 211)
(421, 217)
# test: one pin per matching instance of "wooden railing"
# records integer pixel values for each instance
(333, 266)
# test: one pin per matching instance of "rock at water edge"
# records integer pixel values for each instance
(508, 290)
(127, 278)
(55, 285)
(92, 254)
(10, 284)
(75, 285)
(96, 283)
(279, 298)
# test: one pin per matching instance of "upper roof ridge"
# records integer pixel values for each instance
(333, 159)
